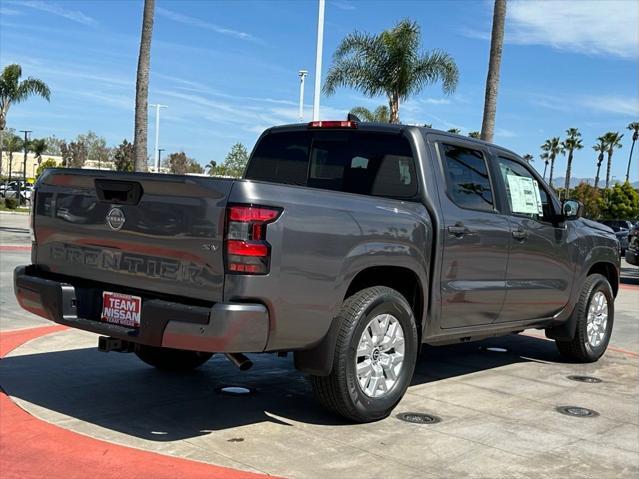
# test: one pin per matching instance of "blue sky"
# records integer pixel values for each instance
(228, 69)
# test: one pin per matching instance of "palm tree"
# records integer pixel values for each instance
(474, 134)
(12, 90)
(390, 64)
(456, 131)
(528, 158)
(546, 157)
(634, 127)
(570, 144)
(428, 125)
(600, 147)
(381, 114)
(613, 140)
(38, 147)
(12, 143)
(142, 88)
(211, 165)
(553, 147)
(494, 64)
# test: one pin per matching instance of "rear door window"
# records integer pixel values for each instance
(367, 163)
(467, 178)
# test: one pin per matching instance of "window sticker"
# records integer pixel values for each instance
(524, 194)
(540, 206)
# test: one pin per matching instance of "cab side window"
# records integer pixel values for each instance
(526, 197)
(467, 178)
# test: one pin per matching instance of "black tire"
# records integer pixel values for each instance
(340, 391)
(579, 349)
(167, 359)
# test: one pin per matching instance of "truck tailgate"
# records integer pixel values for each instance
(159, 233)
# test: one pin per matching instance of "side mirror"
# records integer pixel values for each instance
(572, 209)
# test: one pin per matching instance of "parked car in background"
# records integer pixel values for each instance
(632, 252)
(621, 229)
(25, 192)
(348, 244)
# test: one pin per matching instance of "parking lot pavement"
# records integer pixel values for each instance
(496, 399)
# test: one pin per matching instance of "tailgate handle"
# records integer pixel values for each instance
(118, 191)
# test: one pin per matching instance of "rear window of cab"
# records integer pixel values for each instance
(367, 163)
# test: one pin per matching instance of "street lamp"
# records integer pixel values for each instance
(157, 133)
(318, 61)
(302, 74)
(24, 164)
(160, 150)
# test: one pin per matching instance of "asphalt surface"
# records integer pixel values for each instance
(496, 399)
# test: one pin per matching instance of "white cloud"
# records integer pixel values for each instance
(435, 101)
(504, 133)
(615, 104)
(196, 22)
(56, 9)
(9, 11)
(611, 104)
(593, 27)
(343, 5)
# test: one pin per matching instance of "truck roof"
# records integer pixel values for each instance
(391, 128)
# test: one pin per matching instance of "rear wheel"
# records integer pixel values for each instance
(374, 358)
(594, 317)
(169, 359)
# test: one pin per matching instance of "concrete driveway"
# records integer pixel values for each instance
(497, 401)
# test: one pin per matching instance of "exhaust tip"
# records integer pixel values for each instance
(242, 362)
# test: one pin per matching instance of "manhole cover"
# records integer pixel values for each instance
(418, 418)
(577, 411)
(584, 379)
(235, 390)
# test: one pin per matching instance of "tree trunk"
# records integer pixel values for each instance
(632, 147)
(393, 105)
(568, 172)
(552, 168)
(608, 168)
(1, 148)
(600, 159)
(545, 167)
(142, 88)
(10, 165)
(494, 63)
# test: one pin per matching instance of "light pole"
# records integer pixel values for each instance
(302, 74)
(318, 61)
(157, 133)
(160, 150)
(24, 164)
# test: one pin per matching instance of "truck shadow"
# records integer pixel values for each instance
(120, 393)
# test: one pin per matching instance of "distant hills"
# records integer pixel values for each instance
(559, 182)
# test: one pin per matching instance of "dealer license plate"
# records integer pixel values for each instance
(122, 309)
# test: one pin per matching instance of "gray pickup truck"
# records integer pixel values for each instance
(348, 244)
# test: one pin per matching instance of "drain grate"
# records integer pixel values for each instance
(577, 411)
(418, 418)
(584, 379)
(235, 390)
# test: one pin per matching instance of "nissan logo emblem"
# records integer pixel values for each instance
(115, 219)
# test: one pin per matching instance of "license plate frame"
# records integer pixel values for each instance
(121, 309)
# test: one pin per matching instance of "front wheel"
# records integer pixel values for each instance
(595, 313)
(168, 359)
(374, 358)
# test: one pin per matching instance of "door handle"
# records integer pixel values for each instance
(458, 230)
(520, 234)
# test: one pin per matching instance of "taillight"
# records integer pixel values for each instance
(333, 124)
(247, 251)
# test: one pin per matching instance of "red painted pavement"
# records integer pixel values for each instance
(31, 448)
(11, 247)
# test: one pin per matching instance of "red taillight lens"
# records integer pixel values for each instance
(247, 251)
(333, 124)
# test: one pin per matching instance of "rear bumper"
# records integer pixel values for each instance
(222, 328)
